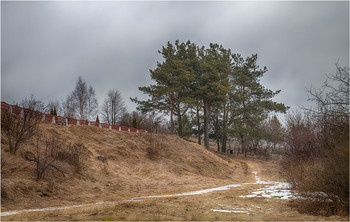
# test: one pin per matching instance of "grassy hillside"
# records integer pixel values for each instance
(138, 164)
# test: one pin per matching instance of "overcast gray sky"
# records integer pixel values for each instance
(45, 46)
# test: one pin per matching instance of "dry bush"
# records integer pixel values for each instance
(317, 164)
(75, 154)
(52, 149)
(45, 162)
(153, 151)
(18, 129)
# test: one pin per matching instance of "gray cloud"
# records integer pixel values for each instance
(47, 45)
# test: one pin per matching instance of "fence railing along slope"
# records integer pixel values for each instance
(60, 120)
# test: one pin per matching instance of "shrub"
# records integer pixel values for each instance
(45, 162)
(317, 164)
(77, 154)
(154, 147)
(19, 129)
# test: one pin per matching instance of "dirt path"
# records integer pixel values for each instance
(198, 192)
(248, 201)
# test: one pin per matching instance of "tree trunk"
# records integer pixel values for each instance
(224, 143)
(218, 143)
(224, 133)
(172, 126)
(217, 129)
(256, 144)
(179, 120)
(206, 125)
(199, 126)
(243, 145)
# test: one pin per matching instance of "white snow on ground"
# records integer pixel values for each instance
(277, 189)
(54, 208)
(258, 180)
(198, 192)
(230, 211)
(234, 210)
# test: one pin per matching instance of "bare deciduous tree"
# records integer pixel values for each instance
(44, 157)
(318, 160)
(92, 104)
(113, 107)
(68, 107)
(20, 128)
(272, 132)
(84, 100)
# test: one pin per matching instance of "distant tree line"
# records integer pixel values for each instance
(82, 103)
(210, 91)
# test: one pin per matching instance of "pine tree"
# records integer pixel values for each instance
(54, 111)
(250, 101)
(172, 91)
(211, 85)
(97, 119)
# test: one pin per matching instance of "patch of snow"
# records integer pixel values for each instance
(198, 192)
(240, 209)
(230, 211)
(41, 209)
(278, 189)
(259, 181)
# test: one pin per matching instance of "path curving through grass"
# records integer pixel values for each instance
(276, 189)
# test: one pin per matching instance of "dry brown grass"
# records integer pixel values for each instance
(179, 166)
(198, 208)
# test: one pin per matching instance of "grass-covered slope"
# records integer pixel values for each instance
(138, 164)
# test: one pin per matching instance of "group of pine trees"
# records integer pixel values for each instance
(218, 88)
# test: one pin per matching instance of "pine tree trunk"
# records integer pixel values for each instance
(199, 127)
(224, 142)
(172, 126)
(217, 129)
(224, 133)
(242, 144)
(179, 119)
(218, 143)
(206, 125)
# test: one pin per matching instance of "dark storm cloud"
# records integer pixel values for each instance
(47, 45)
